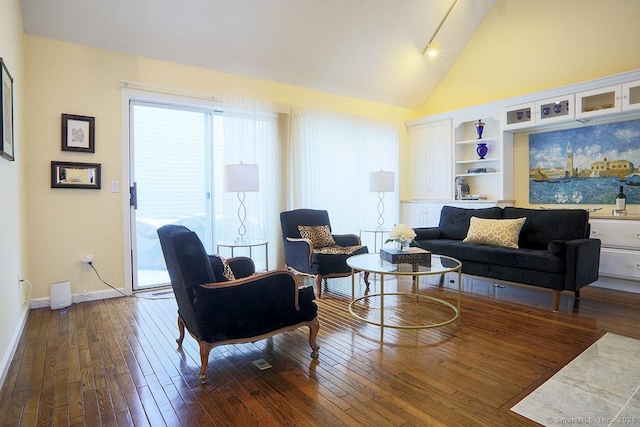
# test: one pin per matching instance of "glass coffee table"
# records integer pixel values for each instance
(372, 263)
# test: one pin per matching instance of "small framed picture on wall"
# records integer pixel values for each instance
(6, 113)
(78, 133)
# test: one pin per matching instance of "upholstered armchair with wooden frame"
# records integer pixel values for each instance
(311, 249)
(224, 302)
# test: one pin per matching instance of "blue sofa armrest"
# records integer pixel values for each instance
(427, 233)
(582, 261)
(298, 253)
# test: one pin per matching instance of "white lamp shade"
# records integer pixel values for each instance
(381, 181)
(241, 177)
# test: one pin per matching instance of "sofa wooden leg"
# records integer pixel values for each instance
(556, 300)
(314, 327)
(319, 285)
(205, 349)
(441, 284)
(181, 329)
(577, 293)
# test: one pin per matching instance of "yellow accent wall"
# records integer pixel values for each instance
(67, 224)
(525, 46)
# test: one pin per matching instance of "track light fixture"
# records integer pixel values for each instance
(432, 48)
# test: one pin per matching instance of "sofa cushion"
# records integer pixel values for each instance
(454, 222)
(498, 232)
(544, 226)
(320, 235)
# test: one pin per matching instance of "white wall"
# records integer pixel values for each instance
(13, 310)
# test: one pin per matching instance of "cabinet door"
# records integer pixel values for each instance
(520, 116)
(432, 160)
(559, 109)
(631, 96)
(598, 102)
(440, 161)
(414, 214)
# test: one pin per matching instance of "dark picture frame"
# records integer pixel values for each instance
(6, 113)
(75, 175)
(78, 133)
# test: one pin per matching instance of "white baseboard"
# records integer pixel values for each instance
(78, 298)
(13, 345)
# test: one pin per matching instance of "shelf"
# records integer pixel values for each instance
(478, 174)
(476, 141)
(461, 162)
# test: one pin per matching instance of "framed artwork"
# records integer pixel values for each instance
(585, 164)
(75, 175)
(78, 133)
(6, 108)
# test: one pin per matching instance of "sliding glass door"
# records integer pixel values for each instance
(170, 161)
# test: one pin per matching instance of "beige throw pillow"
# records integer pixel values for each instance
(497, 232)
(320, 235)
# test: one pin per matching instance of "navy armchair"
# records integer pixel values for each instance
(224, 302)
(311, 249)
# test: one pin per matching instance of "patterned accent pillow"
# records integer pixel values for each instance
(226, 271)
(497, 232)
(320, 235)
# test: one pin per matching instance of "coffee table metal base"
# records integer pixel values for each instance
(360, 260)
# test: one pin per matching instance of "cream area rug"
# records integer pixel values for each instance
(600, 387)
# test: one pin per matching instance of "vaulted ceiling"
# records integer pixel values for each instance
(367, 49)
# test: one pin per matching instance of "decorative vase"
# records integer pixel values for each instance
(402, 245)
(479, 128)
(482, 150)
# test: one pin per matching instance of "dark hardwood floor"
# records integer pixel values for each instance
(115, 362)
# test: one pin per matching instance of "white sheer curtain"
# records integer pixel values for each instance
(330, 157)
(256, 132)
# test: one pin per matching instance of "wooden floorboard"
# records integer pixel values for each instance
(115, 362)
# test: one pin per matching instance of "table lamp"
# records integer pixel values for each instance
(241, 178)
(381, 182)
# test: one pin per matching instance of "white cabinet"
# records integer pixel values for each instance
(620, 251)
(631, 96)
(431, 163)
(539, 113)
(488, 174)
(519, 116)
(608, 100)
(554, 110)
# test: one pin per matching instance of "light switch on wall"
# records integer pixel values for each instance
(115, 186)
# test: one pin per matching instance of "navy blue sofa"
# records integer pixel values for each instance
(554, 248)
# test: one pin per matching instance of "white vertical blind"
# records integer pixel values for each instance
(330, 158)
(253, 133)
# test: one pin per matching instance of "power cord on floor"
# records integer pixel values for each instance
(119, 291)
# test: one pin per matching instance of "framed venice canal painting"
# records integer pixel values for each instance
(585, 165)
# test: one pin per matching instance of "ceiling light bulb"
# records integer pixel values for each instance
(432, 49)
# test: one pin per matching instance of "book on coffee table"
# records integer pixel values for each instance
(410, 256)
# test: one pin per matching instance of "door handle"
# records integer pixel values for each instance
(133, 196)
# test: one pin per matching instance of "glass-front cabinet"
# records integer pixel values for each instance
(631, 96)
(598, 102)
(520, 116)
(558, 109)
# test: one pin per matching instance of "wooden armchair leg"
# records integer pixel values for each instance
(205, 349)
(181, 329)
(314, 327)
(366, 278)
(319, 284)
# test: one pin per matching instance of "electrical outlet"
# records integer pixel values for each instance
(87, 260)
